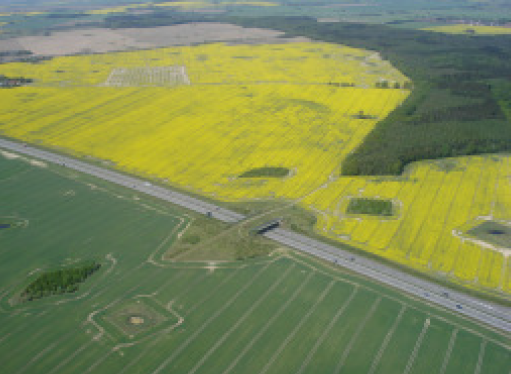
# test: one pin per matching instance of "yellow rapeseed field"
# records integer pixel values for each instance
(436, 199)
(281, 105)
(246, 107)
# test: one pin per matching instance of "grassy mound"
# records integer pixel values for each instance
(492, 232)
(374, 207)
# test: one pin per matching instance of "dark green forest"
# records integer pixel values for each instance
(59, 281)
(460, 99)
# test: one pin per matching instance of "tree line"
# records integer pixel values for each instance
(458, 105)
(59, 281)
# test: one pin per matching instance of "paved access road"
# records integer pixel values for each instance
(492, 314)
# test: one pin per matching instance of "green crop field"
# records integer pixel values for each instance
(282, 313)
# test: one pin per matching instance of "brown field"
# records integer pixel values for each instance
(100, 40)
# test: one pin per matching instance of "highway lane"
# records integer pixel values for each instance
(133, 183)
(492, 314)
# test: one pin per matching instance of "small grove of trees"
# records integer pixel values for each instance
(460, 103)
(376, 207)
(59, 281)
(396, 85)
(6, 82)
(341, 84)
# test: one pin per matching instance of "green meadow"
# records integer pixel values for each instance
(281, 313)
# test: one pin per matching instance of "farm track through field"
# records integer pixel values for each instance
(417, 347)
(208, 321)
(240, 321)
(386, 341)
(480, 357)
(450, 347)
(355, 336)
(293, 333)
(325, 332)
(268, 324)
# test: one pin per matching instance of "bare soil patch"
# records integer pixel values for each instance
(101, 40)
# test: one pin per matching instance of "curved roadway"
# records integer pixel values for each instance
(495, 315)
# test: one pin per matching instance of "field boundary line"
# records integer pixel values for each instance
(450, 347)
(213, 292)
(161, 287)
(480, 358)
(241, 320)
(135, 360)
(298, 327)
(417, 346)
(14, 177)
(406, 211)
(386, 340)
(186, 288)
(503, 273)
(43, 352)
(461, 242)
(409, 251)
(340, 272)
(320, 268)
(99, 361)
(71, 357)
(209, 320)
(437, 245)
(269, 323)
(91, 315)
(495, 193)
(355, 336)
(165, 241)
(327, 329)
(33, 337)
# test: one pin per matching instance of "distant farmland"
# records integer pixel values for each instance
(279, 314)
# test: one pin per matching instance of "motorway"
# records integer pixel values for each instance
(494, 315)
(137, 184)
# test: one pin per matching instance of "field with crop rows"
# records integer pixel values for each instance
(279, 105)
(250, 107)
(246, 107)
(280, 314)
(438, 199)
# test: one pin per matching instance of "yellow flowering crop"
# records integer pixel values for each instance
(243, 107)
(436, 199)
(279, 105)
(246, 107)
